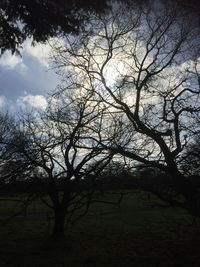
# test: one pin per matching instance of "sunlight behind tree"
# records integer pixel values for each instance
(143, 65)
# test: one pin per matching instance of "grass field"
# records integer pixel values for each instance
(134, 234)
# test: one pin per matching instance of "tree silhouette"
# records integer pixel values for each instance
(189, 161)
(20, 19)
(42, 19)
(51, 143)
(143, 65)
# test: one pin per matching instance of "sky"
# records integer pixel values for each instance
(26, 80)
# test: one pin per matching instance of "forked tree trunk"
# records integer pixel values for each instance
(59, 223)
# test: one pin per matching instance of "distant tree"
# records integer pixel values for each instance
(144, 66)
(115, 175)
(156, 181)
(190, 160)
(10, 166)
(52, 145)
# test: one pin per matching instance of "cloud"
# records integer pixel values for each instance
(32, 101)
(39, 51)
(12, 62)
(3, 101)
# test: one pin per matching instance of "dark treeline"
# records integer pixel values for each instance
(146, 180)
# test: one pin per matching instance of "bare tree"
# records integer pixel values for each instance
(189, 161)
(11, 166)
(144, 66)
(51, 142)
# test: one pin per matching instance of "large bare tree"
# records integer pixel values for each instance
(143, 65)
(51, 143)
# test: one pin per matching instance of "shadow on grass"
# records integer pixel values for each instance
(134, 234)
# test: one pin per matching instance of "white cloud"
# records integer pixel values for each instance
(3, 101)
(12, 62)
(38, 51)
(32, 101)
(42, 52)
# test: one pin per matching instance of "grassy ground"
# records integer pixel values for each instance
(134, 234)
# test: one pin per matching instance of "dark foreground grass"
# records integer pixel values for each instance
(135, 234)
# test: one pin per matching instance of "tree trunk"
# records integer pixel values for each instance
(59, 223)
(189, 191)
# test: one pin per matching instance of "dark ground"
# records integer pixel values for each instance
(134, 234)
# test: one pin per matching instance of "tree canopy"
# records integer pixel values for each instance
(20, 19)
(144, 66)
(42, 19)
(49, 150)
